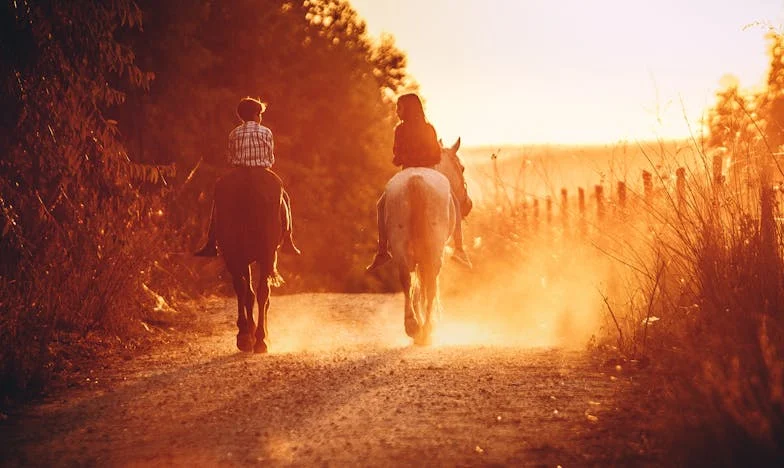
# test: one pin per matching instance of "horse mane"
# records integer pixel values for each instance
(452, 167)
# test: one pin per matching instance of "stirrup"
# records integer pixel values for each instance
(288, 247)
(379, 260)
(462, 258)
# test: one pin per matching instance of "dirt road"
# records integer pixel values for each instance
(342, 386)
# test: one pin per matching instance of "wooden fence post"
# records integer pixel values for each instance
(564, 208)
(496, 180)
(647, 186)
(680, 188)
(549, 205)
(599, 201)
(536, 213)
(523, 211)
(581, 208)
(622, 196)
(718, 162)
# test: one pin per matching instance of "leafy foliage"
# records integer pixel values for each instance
(68, 204)
(325, 81)
(115, 122)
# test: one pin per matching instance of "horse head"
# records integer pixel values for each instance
(453, 169)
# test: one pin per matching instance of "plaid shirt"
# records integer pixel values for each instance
(251, 145)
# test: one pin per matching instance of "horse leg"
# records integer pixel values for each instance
(409, 319)
(263, 294)
(431, 298)
(429, 293)
(250, 301)
(241, 288)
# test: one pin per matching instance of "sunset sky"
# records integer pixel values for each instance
(573, 71)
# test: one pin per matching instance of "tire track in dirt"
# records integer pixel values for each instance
(342, 386)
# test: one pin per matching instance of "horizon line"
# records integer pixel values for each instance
(585, 144)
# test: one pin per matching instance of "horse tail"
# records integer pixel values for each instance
(417, 202)
(274, 279)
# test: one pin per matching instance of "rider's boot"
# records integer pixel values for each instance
(382, 257)
(461, 257)
(209, 249)
(288, 245)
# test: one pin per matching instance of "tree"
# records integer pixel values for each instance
(772, 102)
(68, 208)
(326, 83)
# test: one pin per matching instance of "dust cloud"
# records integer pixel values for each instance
(549, 300)
(324, 322)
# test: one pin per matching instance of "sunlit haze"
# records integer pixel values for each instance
(571, 71)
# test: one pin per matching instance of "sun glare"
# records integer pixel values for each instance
(573, 72)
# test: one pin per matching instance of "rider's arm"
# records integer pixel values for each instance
(397, 148)
(435, 146)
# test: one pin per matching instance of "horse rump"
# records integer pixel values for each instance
(418, 222)
(248, 219)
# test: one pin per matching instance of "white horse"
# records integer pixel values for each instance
(420, 216)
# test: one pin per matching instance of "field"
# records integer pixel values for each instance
(538, 171)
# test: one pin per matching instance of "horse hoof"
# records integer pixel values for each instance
(245, 342)
(412, 327)
(260, 347)
(423, 339)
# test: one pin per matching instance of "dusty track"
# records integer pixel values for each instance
(342, 386)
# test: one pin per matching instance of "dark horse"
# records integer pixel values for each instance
(249, 208)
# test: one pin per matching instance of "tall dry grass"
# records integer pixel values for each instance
(721, 306)
(688, 277)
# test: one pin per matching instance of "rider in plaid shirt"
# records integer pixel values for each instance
(251, 145)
